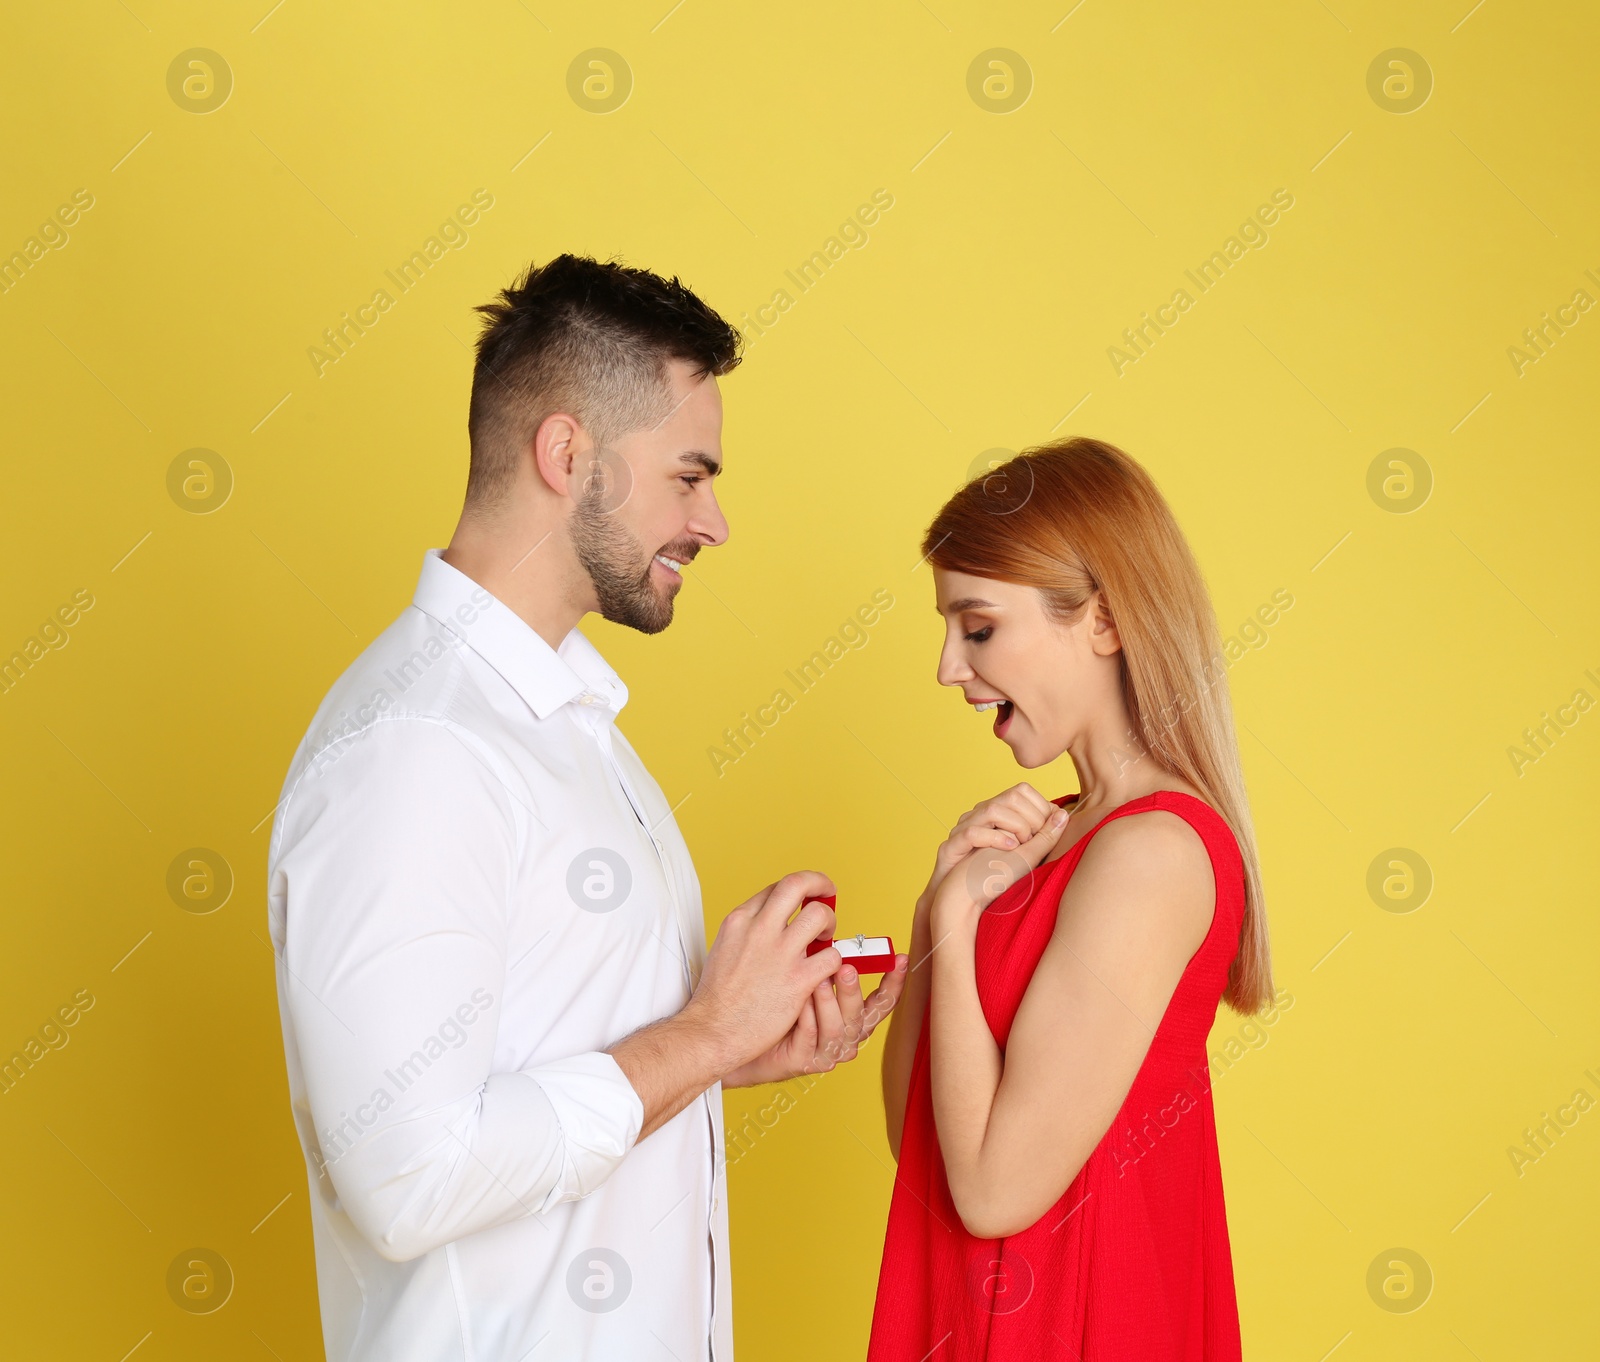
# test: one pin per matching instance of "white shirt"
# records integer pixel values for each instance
(474, 886)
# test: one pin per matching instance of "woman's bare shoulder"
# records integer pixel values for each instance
(1147, 873)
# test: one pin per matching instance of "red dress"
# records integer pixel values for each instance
(1133, 1263)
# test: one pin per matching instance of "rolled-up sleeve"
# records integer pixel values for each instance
(397, 856)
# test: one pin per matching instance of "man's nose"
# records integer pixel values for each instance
(709, 525)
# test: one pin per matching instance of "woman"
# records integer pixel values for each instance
(1045, 1077)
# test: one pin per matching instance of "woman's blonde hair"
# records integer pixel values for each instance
(1080, 516)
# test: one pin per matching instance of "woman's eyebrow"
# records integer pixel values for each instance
(965, 603)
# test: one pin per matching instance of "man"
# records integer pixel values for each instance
(506, 1044)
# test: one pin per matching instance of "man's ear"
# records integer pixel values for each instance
(552, 451)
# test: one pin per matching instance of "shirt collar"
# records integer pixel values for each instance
(545, 677)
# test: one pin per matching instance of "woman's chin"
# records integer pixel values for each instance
(1030, 754)
(1022, 753)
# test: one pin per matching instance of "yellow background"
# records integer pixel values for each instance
(1378, 1111)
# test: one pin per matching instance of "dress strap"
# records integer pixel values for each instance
(1209, 825)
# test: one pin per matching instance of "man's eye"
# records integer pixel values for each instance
(691, 478)
(981, 634)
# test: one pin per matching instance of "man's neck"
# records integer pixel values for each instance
(529, 568)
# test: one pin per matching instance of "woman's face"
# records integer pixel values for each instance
(1051, 679)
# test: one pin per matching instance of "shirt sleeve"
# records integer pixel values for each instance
(397, 864)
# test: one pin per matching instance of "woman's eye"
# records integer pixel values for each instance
(981, 634)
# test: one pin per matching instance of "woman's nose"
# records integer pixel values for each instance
(953, 669)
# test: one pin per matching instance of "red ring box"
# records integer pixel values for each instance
(864, 954)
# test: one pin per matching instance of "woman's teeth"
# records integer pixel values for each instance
(668, 563)
(1005, 708)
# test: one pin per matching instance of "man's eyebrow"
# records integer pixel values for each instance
(701, 459)
(965, 603)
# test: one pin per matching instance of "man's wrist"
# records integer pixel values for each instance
(715, 1044)
(681, 1055)
(671, 1062)
(751, 1074)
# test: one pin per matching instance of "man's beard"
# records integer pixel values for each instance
(609, 553)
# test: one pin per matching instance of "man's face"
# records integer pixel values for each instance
(649, 498)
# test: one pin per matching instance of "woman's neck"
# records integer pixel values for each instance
(1113, 767)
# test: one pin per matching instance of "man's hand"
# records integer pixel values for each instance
(764, 1009)
(758, 979)
(833, 1025)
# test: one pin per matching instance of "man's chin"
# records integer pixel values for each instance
(646, 618)
(655, 625)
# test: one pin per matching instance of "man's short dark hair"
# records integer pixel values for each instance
(587, 337)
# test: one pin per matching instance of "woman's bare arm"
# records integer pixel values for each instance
(997, 825)
(905, 1026)
(1016, 1128)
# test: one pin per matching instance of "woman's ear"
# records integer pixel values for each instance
(1103, 636)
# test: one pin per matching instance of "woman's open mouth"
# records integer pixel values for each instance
(1003, 710)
